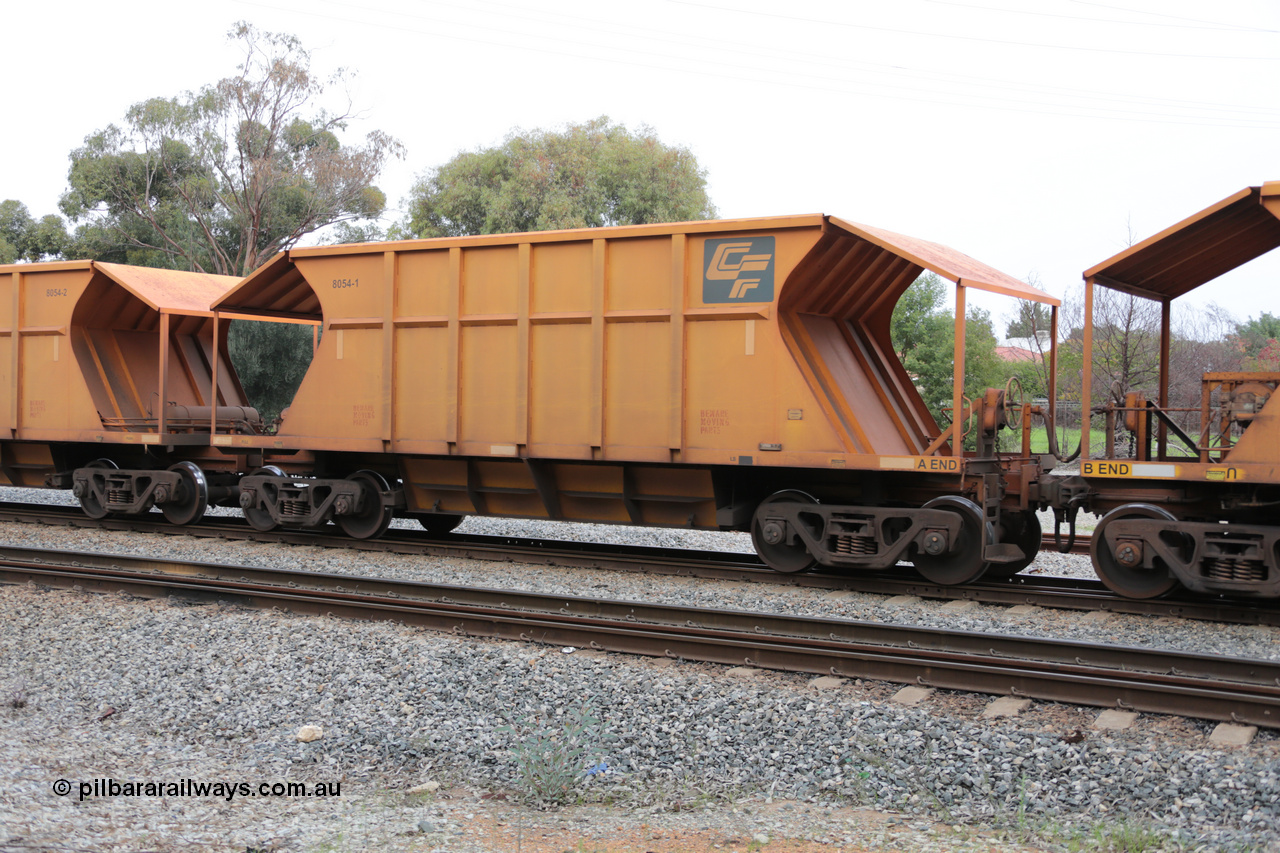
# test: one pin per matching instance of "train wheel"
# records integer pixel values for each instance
(1110, 556)
(963, 563)
(770, 540)
(1021, 529)
(261, 519)
(438, 524)
(192, 498)
(372, 521)
(89, 501)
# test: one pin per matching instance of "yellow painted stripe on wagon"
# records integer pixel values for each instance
(920, 463)
(1146, 470)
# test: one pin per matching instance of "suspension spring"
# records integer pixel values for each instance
(1235, 569)
(859, 546)
(294, 509)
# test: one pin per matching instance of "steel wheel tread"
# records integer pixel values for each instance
(261, 519)
(1130, 582)
(963, 563)
(439, 523)
(1023, 530)
(781, 557)
(89, 502)
(372, 521)
(193, 495)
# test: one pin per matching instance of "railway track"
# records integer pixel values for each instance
(1202, 686)
(1039, 590)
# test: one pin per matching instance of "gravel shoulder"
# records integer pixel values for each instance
(425, 732)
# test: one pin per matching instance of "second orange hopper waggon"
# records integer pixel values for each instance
(724, 374)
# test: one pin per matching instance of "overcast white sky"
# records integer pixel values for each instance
(1034, 136)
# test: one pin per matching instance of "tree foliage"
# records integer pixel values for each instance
(221, 179)
(1030, 318)
(584, 176)
(919, 316)
(270, 359)
(1257, 341)
(923, 334)
(25, 238)
(1032, 322)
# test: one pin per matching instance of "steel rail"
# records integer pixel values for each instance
(1167, 682)
(1043, 591)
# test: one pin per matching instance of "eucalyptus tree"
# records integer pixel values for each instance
(581, 176)
(25, 238)
(923, 334)
(220, 179)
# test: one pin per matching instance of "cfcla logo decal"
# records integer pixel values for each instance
(738, 270)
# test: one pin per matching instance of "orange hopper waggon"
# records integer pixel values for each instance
(109, 375)
(718, 375)
(1195, 505)
(731, 375)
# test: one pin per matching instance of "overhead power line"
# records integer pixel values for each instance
(648, 48)
(1193, 23)
(1172, 17)
(982, 39)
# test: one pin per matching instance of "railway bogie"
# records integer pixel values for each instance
(792, 527)
(362, 505)
(182, 492)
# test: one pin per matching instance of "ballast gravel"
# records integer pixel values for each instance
(425, 732)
